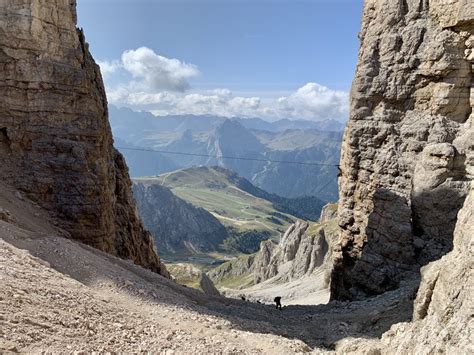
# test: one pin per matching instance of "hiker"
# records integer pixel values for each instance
(277, 301)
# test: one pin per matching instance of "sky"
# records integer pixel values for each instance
(249, 58)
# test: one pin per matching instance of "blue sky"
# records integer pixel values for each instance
(268, 58)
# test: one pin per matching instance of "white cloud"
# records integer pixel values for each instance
(108, 68)
(159, 84)
(221, 103)
(316, 102)
(222, 92)
(311, 102)
(155, 72)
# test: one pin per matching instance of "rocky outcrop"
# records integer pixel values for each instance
(238, 271)
(302, 251)
(298, 268)
(444, 306)
(443, 309)
(265, 265)
(176, 225)
(408, 150)
(272, 257)
(55, 139)
(311, 253)
(207, 286)
(328, 213)
(190, 276)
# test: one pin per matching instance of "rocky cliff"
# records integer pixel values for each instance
(444, 306)
(297, 268)
(176, 225)
(303, 250)
(442, 321)
(407, 156)
(55, 139)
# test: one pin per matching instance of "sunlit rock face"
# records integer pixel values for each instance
(55, 139)
(407, 156)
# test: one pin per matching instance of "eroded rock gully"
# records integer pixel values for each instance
(408, 151)
(55, 139)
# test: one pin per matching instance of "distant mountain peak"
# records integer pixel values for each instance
(231, 136)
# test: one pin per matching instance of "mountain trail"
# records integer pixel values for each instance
(58, 295)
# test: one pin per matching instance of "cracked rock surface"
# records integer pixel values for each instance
(408, 150)
(55, 138)
(443, 315)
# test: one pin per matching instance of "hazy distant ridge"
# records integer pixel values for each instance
(211, 136)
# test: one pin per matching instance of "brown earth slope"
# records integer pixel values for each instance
(59, 295)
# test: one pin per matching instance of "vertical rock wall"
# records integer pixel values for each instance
(408, 151)
(443, 317)
(55, 138)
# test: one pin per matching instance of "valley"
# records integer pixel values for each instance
(297, 267)
(210, 214)
(209, 220)
(208, 138)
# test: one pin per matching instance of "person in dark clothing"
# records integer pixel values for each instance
(277, 301)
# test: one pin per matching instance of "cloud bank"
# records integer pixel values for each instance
(161, 85)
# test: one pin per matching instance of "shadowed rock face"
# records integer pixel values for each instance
(55, 139)
(407, 156)
(176, 225)
(443, 308)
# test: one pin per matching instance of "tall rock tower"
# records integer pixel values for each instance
(408, 150)
(55, 138)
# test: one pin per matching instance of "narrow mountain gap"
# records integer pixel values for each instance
(236, 241)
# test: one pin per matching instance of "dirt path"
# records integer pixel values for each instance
(58, 295)
(46, 310)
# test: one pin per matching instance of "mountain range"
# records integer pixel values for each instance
(275, 156)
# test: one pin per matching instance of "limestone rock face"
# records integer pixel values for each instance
(270, 258)
(408, 151)
(55, 139)
(291, 240)
(303, 250)
(444, 306)
(312, 252)
(298, 268)
(237, 269)
(265, 265)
